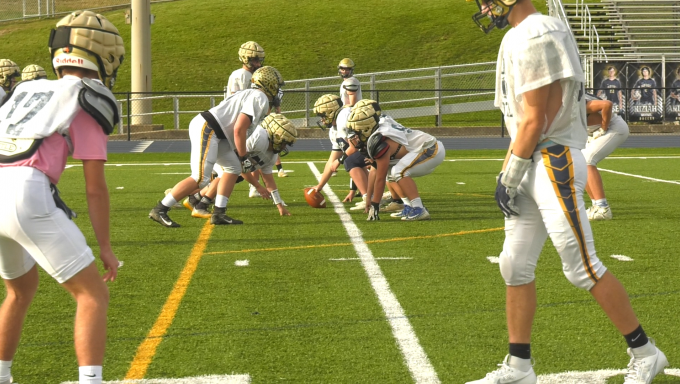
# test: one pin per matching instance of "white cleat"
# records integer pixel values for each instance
(282, 173)
(596, 212)
(505, 374)
(360, 206)
(643, 370)
(253, 192)
(392, 207)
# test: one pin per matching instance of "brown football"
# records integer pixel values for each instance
(315, 199)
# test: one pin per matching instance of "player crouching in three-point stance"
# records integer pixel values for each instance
(219, 136)
(398, 153)
(539, 89)
(40, 124)
(606, 132)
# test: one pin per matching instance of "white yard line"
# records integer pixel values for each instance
(377, 258)
(211, 379)
(416, 360)
(640, 176)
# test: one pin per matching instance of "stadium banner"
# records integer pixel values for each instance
(672, 92)
(645, 92)
(610, 83)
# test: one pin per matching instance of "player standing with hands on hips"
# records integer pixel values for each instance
(52, 118)
(539, 88)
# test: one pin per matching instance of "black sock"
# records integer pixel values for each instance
(398, 201)
(197, 196)
(637, 338)
(523, 351)
(279, 167)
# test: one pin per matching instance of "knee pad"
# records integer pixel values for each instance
(355, 160)
(515, 271)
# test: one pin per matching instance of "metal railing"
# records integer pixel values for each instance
(12, 10)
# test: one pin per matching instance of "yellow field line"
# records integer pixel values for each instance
(367, 242)
(147, 349)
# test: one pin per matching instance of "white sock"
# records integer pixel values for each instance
(523, 365)
(601, 203)
(648, 349)
(5, 371)
(417, 203)
(90, 374)
(169, 201)
(221, 201)
(406, 201)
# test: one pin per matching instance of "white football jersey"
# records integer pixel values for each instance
(39, 108)
(538, 52)
(238, 81)
(350, 84)
(2, 95)
(258, 150)
(339, 131)
(412, 139)
(615, 121)
(252, 102)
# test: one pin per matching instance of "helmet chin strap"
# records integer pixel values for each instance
(499, 22)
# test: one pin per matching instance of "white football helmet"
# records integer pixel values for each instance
(363, 120)
(251, 54)
(327, 108)
(87, 40)
(282, 133)
(33, 72)
(269, 80)
(9, 72)
(346, 64)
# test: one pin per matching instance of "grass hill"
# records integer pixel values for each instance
(195, 42)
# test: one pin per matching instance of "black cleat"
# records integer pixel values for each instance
(190, 202)
(219, 217)
(160, 215)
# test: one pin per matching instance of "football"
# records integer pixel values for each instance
(315, 199)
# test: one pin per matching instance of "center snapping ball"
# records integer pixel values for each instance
(315, 199)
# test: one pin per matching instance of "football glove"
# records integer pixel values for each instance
(373, 212)
(599, 133)
(505, 198)
(508, 181)
(246, 165)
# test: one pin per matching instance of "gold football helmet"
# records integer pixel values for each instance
(9, 70)
(327, 108)
(363, 120)
(282, 132)
(250, 53)
(87, 40)
(269, 80)
(493, 13)
(346, 64)
(33, 72)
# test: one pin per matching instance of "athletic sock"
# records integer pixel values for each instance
(169, 200)
(279, 167)
(523, 351)
(398, 201)
(523, 365)
(601, 203)
(646, 350)
(637, 338)
(5, 371)
(221, 201)
(417, 203)
(197, 196)
(91, 374)
(406, 201)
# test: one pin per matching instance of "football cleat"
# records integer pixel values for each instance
(221, 218)
(596, 212)
(200, 213)
(360, 206)
(506, 374)
(417, 214)
(190, 202)
(392, 207)
(642, 370)
(160, 215)
(404, 213)
(282, 173)
(253, 192)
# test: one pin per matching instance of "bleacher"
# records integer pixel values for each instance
(628, 28)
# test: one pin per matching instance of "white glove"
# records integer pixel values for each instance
(599, 133)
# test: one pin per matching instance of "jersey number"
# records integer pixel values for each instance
(32, 106)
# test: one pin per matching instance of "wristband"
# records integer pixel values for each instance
(376, 206)
(276, 197)
(515, 170)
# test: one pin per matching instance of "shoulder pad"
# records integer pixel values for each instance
(99, 102)
(351, 87)
(376, 146)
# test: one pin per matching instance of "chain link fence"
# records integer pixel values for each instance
(27, 9)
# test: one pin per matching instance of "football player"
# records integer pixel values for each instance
(218, 136)
(333, 116)
(350, 89)
(73, 114)
(270, 140)
(607, 132)
(9, 76)
(33, 72)
(540, 90)
(398, 153)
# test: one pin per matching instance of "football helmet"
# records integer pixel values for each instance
(363, 120)
(87, 40)
(8, 71)
(282, 133)
(346, 64)
(327, 108)
(493, 13)
(251, 52)
(269, 80)
(33, 72)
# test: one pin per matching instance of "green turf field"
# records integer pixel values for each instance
(304, 309)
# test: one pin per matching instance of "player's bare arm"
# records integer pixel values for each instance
(540, 108)
(253, 180)
(240, 131)
(98, 206)
(381, 166)
(599, 110)
(331, 166)
(273, 189)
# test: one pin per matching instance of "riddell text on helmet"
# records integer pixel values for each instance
(68, 60)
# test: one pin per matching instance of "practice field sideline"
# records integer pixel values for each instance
(310, 305)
